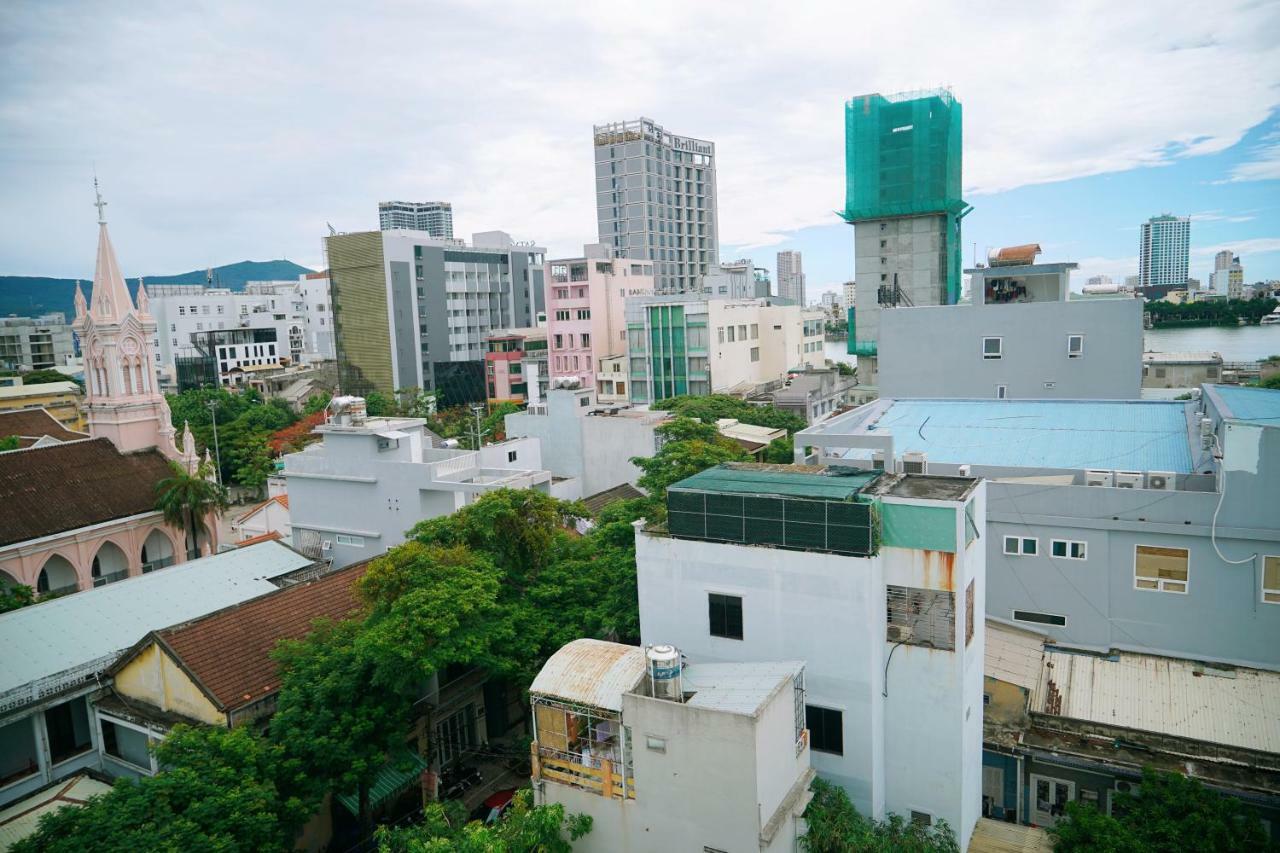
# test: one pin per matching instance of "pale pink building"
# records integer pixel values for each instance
(78, 513)
(586, 324)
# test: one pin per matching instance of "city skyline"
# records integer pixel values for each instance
(259, 183)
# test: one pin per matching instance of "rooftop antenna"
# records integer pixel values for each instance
(333, 232)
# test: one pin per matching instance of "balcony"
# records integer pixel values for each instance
(161, 563)
(112, 577)
(559, 767)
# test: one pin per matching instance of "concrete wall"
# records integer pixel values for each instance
(153, 677)
(937, 351)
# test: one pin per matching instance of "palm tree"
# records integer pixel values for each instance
(186, 499)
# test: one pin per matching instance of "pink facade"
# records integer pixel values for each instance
(586, 302)
(89, 556)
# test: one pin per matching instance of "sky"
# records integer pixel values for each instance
(236, 131)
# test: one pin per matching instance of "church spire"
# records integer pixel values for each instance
(81, 305)
(111, 301)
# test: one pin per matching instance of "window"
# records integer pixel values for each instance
(126, 744)
(1038, 618)
(826, 729)
(742, 333)
(1021, 546)
(755, 331)
(1002, 392)
(584, 401)
(731, 334)
(969, 605)
(920, 617)
(755, 353)
(68, 728)
(173, 327)
(720, 333)
(657, 744)
(511, 456)
(355, 541)
(921, 818)
(1075, 346)
(725, 615)
(992, 347)
(585, 341)
(1161, 569)
(1067, 549)
(1271, 580)
(584, 313)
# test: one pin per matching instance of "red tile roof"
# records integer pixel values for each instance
(34, 424)
(48, 490)
(283, 500)
(228, 653)
(270, 535)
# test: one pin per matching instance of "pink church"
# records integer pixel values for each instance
(80, 513)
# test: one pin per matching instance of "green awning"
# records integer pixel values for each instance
(394, 778)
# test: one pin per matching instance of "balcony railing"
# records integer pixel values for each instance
(57, 591)
(603, 780)
(161, 563)
(112, 577)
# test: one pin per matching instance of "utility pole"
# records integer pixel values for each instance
(217, 454)
(478, 409)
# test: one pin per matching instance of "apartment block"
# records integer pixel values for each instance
(433, 217)
(656, 200)
(1144, 526)
(413, 311)
(691, 345)
(876, 581)
(1164, 252)
(586, 316)
(740, 279)
(36, 343)
(664, 754)
(516, 366)
(791, 277)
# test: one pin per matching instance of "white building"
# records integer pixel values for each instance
(656, 200)
(850, 293)
(665, 755)
(353, 495)
(1228, 275)
(876, 582)
(791, 276)
(1164, 251)
(434, 217)
(36, 343)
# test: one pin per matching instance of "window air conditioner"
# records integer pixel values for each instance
(899, 633)
(1129, 479)
(877, 460)
(326, 546)
(1160, 480)
(963, 471)
(914, 462)
(1099, 478)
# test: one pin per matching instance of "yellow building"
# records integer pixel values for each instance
(60, 399)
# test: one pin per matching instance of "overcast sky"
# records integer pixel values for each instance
(232, 131)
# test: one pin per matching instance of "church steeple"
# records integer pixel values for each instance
(119, 365)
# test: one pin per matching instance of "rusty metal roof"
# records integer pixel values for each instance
(1013, 655)
(1014, 255)
(591, 672)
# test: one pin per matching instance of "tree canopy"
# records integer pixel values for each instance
(689, 446)
(711, 407)
(246, 424)
(1209, 311)
(524, 829)
(1169, 813)
(835, 826)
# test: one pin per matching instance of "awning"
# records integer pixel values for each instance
(399, 774)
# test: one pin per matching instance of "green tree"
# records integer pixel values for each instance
(689, 447)
(379, 405)
(711, 407)
(781, 451)
(15, 596)
(186, 500)
(334, 727)
(255, 462)
(1272, 381)
(220, 789)
(1168, 814)
(316, 403)
(524, 829)
(9, 442)
(40, 377)
(835, 826)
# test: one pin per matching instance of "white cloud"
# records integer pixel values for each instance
(1219, 216)
(232, 130)
(1243, 248)
(1264, 165)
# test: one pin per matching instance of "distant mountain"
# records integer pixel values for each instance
(28, 296)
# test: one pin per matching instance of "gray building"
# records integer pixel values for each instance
(412, 311)
(1180, 369)
(739, 279)
(1164, 250)
(1137, 525)
(791, 276)
(434, 217)
(356, 493)
(656, 200)
(814, 393)
(35, 343)
(1023, 335)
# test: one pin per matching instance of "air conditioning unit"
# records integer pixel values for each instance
(1206, 442)
(963, 471)
(1206, 426)
(1129, 479)
(914, 462)
(899, 633)
(1160, 480)
(326, 547)
(877, 460)
(1099, 478)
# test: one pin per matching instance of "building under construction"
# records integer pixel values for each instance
(902, 195)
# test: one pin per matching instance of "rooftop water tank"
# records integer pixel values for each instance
(664, 672)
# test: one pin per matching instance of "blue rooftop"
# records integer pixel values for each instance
(1067, 434)
(1249, 404)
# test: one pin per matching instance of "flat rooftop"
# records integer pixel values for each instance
(801, 481)
(1137, 435)
(930, 487)
(1259, 405)
(736, 688)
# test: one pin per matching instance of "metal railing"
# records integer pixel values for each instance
(603, 780)
(57, 591)
(112, 577)
(161, 563)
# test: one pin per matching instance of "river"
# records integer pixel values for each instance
(1235, 343)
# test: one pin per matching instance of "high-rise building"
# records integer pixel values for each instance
(412, 311)
(850, 293)
(35, 343)
(434, 217)
(1163, 255)
(656, 201)
(902, 195)
(791, 276)
(1228, 275)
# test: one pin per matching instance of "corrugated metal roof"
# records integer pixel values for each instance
(736, 688)
(591, 672)
(1206, 357)
(1234, 707)
(996, 836)
(1013, 655)
(46, 639)
(1130, 435)
(776, 480)
(19, 820)
(1250, 404)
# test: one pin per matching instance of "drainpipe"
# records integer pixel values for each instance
(1019, 812)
